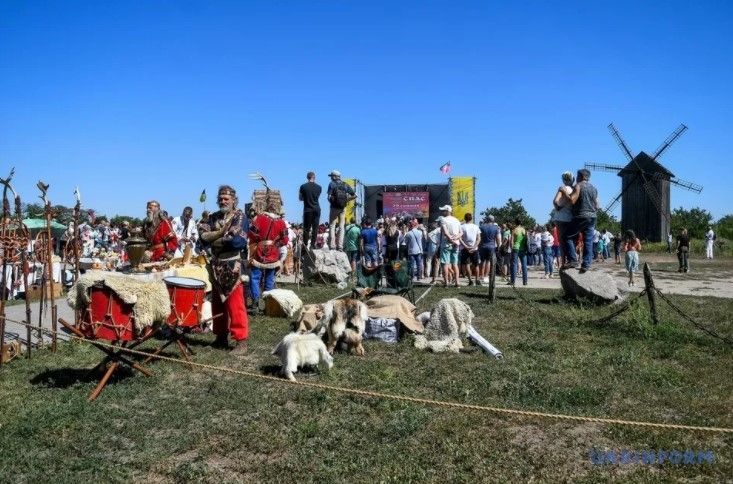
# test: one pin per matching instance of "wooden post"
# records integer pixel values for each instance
(24, 272)
(49, 272)
(651, 292)
(492, 278)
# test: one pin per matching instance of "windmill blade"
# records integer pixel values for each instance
(613, 203)
(618, 198)
(619, 140)
(668, 142)
(651, 190)
(603, 167)
(687, 185)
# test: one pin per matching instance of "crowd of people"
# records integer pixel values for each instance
(446, 250)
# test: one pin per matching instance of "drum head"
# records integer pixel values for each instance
(189, 282)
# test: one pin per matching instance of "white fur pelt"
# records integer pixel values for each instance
(447, 324)
(150, 299)
(344, 319)
(288, 301)
(297, 350)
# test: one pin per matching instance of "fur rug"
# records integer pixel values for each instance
(298, 350)
(448, 323)
(150, 298)
(287, 300)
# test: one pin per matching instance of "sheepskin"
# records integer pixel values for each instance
(287, 300)
(448, 323)
(150, 299)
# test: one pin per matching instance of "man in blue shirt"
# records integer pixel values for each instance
(490, 240)
(369, 243)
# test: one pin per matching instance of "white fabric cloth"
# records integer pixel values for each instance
(547, 239)
(184, 231)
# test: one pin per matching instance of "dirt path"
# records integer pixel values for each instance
(706, 277)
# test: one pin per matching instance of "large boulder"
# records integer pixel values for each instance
(331, 266)
(594, 285)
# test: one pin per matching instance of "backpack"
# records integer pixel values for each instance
(339, 196)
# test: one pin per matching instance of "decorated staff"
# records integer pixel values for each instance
(223, 234)
(47, 255)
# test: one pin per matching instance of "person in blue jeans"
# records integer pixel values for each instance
(519, 252)
(585, 206)
(414, 240)
(369, 243)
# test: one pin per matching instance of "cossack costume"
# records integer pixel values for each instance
(225, 269)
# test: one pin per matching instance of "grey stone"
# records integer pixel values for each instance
(595, 285)
(331, 266)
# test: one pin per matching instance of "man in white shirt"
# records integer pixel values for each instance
(450, 228)
(709, 239)
(186, 232)
(469, 248)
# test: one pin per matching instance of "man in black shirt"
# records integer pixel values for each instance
(309, 193)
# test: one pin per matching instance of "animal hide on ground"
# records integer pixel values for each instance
(299, 350)
(150, 299)
(448, 323)
(287, 300)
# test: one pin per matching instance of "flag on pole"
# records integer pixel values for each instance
(202, 198)
(445, 168)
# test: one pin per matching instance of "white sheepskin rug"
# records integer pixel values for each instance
(150, 299)
(447, 324)
(287, 300)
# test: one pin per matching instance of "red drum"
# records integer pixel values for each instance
(108, 316)
(187, 299)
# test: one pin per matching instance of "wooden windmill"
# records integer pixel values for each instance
(645, 188)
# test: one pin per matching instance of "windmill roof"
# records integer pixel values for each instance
(648, 164)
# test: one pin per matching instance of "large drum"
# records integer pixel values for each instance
(187, 299)
(108, 316)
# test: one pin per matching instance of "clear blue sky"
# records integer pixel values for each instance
(140, 100)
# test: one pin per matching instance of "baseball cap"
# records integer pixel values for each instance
(446, 207)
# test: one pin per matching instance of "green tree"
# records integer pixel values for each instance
(724, 227)
(511, 210)
(32, 210)
(696, 221)
(607, 221)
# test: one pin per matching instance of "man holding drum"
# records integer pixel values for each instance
(224, 235)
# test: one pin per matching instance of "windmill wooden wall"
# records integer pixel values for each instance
(638, 211)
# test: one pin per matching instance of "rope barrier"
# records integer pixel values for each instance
(695, 323)
(402, 398)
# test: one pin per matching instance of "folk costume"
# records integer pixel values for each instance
(267, 233)
(162, 239)
(185, 229)
(225, 238)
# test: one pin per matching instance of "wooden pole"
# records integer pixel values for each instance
(49, 271)
(24, 272)
(651, 293)
(492, 278)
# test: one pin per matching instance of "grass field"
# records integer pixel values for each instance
(183, 425)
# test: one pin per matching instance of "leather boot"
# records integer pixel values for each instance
(240, 349)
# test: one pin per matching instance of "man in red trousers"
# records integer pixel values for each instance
(223, 233)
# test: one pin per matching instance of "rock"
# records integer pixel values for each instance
(329, 265)
(595, 285)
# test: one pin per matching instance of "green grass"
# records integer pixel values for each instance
(183, 425)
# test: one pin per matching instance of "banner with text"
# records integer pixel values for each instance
(406, 204)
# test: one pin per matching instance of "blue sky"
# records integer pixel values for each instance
(140, 100)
